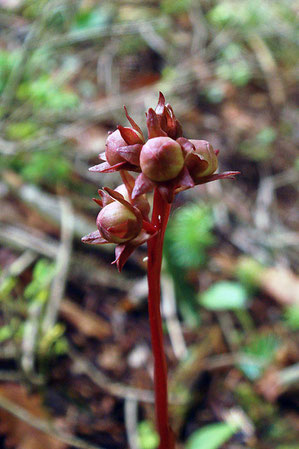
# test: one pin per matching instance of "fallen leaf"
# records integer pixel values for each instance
(281, 284)
(90, 324)
(19, 434)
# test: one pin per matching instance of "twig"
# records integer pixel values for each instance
(200, 30)
(119, 29)
(114, 388)
(131, 411)
(152, 38)
(228, 328)
(107, 71)
(286, 177)
(43, 426)
(30, 336)
(262, 218)
(23, 238)
(9, 148)
(289, 376)
(269, 67)
(170, 313)
(19, 265)
(48, 206)
(62, 265)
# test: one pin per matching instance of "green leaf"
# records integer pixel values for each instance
(292, 316)
(51, 338)
(238, 72)
(224, 295)
(45, 92)
(92, 18)
(175, 6)
(6, 332)
(212, 436)
(147, 436)
(42, 275)
(46, 166)
(259, 354)
(21, 130)
(215, 92)
(6, 286)
(249, 272)
(266, 136)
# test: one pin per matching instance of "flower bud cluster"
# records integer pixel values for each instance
(121, 221)
(166, 161)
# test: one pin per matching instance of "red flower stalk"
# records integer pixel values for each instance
(168, 163)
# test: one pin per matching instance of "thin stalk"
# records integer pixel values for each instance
(160, 216)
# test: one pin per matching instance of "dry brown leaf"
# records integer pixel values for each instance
(19, 434)
(90, 324)
(281, 284)
(269, 385)
(278, 282)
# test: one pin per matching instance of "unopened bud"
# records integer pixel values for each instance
(114, 141)
(161, 159)
(140, 202)
(203, 161)
(117, 223)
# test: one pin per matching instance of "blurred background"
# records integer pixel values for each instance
(75, 356)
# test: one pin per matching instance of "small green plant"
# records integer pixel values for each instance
(259, 354)
(31, 306)
(232, 65)
(7, 61)
(291, 316)
(21, 130)
(212, 436)
(189, 235)
(224, 295)
(46, 167)
(44, 92)
(147, 436)
(87, 18)
(175, 6)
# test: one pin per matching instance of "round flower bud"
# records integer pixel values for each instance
(161, 159)
(141, 201)
(206, 153)
(117, 223)
(113, 142)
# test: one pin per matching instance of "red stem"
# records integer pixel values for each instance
(160, 216)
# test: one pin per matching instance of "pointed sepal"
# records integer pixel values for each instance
(130, 135)
(105, 167)
(131, 153)
(142, 185)
(153, 125)
(132, 122)
(94, 238)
